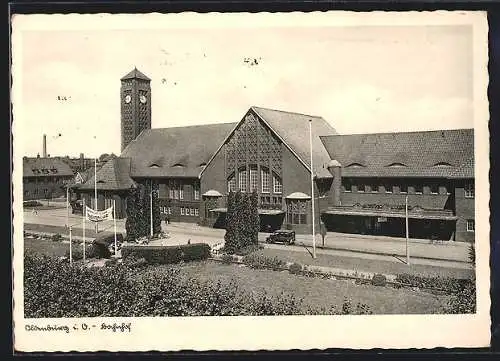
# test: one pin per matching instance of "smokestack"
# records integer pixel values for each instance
(44, 146)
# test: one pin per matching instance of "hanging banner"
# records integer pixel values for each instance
(99, 216)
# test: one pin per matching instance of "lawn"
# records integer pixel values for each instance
(46, 228)
(363, 264)
(46, 247)
(315, 291)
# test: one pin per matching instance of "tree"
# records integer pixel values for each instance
(156, 210)
(230, 236)
(242, 221)
(131, 224)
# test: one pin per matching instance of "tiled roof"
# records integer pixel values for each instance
(175, 152)
(45, 167)
(443, 153)
(293, 128)
(114, 175)
(135, 74)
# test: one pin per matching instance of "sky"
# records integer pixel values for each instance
(359, 78)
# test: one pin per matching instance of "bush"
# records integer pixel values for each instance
(360, 309)
(263, 262)
(379, 280)
(56, 237)
(295, 268)
(32, 204)
(227, 259)
(245, 251)
(77, 252)
(472, 254)
(54, 289)
(448, 284)
(168, 254)
(464, 300)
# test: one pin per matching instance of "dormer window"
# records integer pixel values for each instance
(355, 165)
(154, 165)
(203, 164)
(442, 164)
(177, 165)
(397, 165)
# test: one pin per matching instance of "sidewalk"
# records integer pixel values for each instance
(182, 232)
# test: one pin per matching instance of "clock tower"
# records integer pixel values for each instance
(135, 105)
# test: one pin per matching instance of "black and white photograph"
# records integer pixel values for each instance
(250, 181)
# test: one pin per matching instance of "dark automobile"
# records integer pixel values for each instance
(282, 236)
(76, 206)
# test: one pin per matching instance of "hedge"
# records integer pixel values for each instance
(452, 285)
(167, 254)
(54, 289)
(32, 204)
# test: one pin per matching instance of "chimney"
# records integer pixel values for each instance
(335, 168)
(82, 162)
(44, 146)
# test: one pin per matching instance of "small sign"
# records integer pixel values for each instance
(99, 216)
(382, 219)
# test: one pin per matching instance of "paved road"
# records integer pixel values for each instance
(450, 254)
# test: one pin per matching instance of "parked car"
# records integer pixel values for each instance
(281, 236)
(76, 206)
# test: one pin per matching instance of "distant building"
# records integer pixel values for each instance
(360, 181)
(45, 178)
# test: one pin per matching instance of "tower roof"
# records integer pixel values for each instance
(135, 74)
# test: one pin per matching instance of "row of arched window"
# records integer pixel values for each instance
(248, 180)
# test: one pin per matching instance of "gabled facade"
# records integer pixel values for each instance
(267, 152)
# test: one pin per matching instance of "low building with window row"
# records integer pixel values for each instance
(45, 178)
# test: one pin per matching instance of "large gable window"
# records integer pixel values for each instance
(253, 179)
(242, 180)
(265, 180)
(231, 183)
(277, 185)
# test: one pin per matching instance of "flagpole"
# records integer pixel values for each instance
(114, 224)
(70, 249)
(67, 205)
(83, 212)
(407, 232)
(312, 191)
(151, 208)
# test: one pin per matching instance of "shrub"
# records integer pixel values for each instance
(379, 280)
(168, 254)
(263, 262)
(448, 284)
(360, 309)
(227, 259)
(77, 252)
(464, 300)
(295, 268)
(195, 251)
(472, 254)
(245, 251)
(56, 237)
(32, 204)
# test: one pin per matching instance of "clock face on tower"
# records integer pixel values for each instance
(128, 98)
(142, 99)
